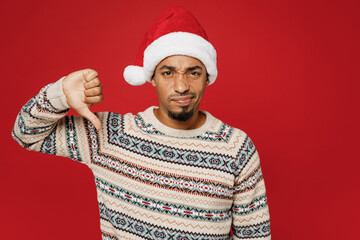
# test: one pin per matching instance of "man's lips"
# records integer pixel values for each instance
(182, 100)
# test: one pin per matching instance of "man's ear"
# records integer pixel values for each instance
(153, 82)
(207, 82)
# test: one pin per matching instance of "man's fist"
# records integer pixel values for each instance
(83, 89)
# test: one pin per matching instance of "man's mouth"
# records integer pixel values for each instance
(182, 101)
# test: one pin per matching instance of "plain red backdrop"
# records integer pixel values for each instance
(288, 77)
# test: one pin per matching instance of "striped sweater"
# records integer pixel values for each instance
(155, 182)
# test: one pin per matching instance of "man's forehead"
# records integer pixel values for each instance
(176, 68)
(181, 61)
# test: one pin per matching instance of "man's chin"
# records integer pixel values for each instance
(182, 115)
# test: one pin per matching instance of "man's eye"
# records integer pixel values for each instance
(167, 73)
(195, 73)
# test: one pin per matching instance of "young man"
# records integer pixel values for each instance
(170, 172)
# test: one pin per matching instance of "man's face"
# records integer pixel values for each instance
(180, 82)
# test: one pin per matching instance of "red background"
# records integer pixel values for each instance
(288, 77)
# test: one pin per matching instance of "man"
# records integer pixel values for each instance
(170, 172)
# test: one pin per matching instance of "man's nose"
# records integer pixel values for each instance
(181, 84)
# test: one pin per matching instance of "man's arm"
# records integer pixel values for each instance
(42, 125)
(251, 219)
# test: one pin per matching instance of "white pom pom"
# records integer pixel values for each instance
(134, 75)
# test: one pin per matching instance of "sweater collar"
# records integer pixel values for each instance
(150, 118)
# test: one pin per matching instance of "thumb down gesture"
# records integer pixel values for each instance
(83, 89)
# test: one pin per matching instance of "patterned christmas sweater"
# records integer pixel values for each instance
(155, 182)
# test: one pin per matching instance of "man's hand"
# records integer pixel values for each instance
(83, 89)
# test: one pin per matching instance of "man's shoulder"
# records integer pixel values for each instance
(113, 119)
(117, 114)
(221, 131)
(224, 124)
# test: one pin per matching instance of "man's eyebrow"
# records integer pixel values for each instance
(167, 67)
(194, 68)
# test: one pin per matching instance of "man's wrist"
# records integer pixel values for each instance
(56, 96)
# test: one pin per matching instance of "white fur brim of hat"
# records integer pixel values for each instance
(175, 43)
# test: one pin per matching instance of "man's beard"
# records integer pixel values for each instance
(182, 116)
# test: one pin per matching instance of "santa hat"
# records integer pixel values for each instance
(175, 32)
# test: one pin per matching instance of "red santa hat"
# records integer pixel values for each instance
(175, 32)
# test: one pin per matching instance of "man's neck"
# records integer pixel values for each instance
(196, 120)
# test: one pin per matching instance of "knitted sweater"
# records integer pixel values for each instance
(155, 182)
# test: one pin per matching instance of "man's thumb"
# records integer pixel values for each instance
(86, 113)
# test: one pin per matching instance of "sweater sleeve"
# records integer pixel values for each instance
(42, 126)
(251, 219)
